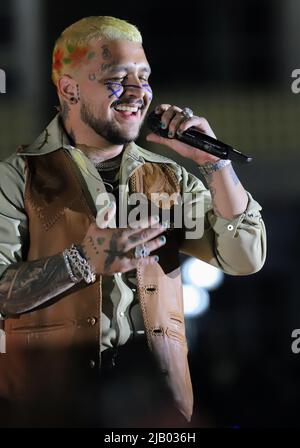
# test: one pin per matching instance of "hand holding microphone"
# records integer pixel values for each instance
(182, 126)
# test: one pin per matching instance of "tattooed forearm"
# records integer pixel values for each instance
(25, 286)
(233, 175)
(209, 180)
(229, 198)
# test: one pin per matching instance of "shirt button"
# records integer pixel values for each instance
(92, 363)
(230, 227)
(91, 321)
(121, 314)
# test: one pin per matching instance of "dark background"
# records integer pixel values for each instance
(231, 61)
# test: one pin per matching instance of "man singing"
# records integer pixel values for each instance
(78, 287)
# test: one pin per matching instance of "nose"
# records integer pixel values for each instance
(134, 90)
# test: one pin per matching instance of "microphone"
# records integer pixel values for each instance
(194, 137)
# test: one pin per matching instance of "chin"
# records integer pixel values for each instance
(133, 137)
(128, 137)
(122, 134)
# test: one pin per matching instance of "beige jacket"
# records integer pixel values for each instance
(237, 247)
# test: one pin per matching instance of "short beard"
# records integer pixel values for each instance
(107, 130)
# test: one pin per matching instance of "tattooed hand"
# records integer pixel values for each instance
(112, 250)
(173, 120)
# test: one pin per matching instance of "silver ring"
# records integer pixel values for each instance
(141, 251)
(187, 112)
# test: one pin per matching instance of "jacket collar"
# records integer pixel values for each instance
(54, 137)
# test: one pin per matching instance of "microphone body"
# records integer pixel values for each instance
(197, 139)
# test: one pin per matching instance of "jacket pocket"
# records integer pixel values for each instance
(41, 328)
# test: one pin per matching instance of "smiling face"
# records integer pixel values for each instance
(114, 90)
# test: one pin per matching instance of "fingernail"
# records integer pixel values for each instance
(163, 125)
(157, 110)
(165, 224)
(155, 218)
(110, 205)
(170, 134)
(156, 258)
(179, 132)
(162, 239)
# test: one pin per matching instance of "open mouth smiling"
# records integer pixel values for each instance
(128, 110)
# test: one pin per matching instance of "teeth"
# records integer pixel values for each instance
(127, 108)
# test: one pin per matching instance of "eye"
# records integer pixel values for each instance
(118, 78)
(115, 79)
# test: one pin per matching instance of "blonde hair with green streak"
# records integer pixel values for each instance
(71, 48)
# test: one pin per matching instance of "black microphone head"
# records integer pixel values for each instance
(153, 121)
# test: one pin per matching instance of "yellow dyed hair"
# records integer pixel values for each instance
(71, 48)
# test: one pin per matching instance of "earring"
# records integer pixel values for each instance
(73, 100)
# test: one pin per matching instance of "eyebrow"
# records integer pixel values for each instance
(123, 68)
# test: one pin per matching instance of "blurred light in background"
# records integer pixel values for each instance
(201, 274)
(195, 300)
(198, 278)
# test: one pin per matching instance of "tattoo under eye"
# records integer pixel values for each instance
(105, 66)
(115, 88)
(147, 88)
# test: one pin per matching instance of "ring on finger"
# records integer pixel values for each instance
(187, 112)
(141, 251)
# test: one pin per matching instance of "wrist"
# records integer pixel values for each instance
(74, 276)
(78, 266)
(200, 159)
(208, 168)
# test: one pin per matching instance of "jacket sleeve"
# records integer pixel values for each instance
(236, 246)
(13, 219)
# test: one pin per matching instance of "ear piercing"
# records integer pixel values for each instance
(73, 99)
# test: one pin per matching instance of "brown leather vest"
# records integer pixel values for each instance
(60, 211)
